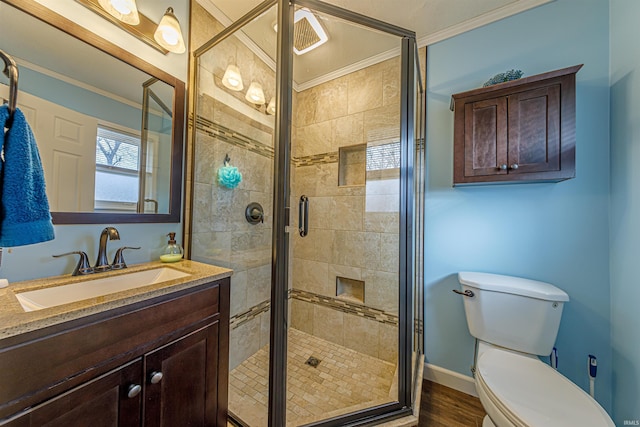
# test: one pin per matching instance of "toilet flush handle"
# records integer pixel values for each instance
(466, 293)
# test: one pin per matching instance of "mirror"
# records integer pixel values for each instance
(109, 126)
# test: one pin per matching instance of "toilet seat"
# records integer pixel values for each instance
(525, 392)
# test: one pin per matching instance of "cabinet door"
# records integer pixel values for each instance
(485, 137)
(102, 402)
(534, 130)
(181, 381)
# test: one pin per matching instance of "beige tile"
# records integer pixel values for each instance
(316, 246)
(361, 334)
(313, 139)
(202, 202)
(312, 276)
(335, 271)
(389, 252)
(265, 330)
(302, 315)
(238, 290)
(244, 341)
(391, 81)
(365, 90)
(356, 249)
(258, 285)
(347, 130)
(381, 290)
(320, 212)
(212, 246)
(382, 124)
(332, 389)
(346, 213)
(323, 102)
(382, 222)
(328, 324)
(388, 343)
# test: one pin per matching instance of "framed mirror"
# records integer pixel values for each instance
(109, 126)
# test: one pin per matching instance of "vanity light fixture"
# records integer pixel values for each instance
(165, 37)
(232, 78)
(123, 10)
(169, 34)
(271, 108)
(255, 94)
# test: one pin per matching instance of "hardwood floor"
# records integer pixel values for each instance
(442, 406)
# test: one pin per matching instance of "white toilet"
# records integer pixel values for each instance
(513, 321)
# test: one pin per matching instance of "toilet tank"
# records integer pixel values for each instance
(512, 312)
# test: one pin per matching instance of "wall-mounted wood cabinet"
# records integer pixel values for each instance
(522, 130)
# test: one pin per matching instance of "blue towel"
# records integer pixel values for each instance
(24, 208)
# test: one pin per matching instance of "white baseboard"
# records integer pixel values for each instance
(450, 379)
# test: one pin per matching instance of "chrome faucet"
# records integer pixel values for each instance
(102, 264)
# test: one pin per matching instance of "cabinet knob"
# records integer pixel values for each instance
(155, 377)
(133, 390)
(514, 166)
(503, 167)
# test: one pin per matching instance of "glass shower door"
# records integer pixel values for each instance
(351, 199)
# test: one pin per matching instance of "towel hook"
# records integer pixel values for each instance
(11, 71)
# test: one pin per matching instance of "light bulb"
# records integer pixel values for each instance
(168, 34)
(271, 108)
(232, 78)
(255, 95)
(123, 10)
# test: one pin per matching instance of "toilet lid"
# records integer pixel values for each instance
(531, 393)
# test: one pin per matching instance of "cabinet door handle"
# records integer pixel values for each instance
(155, 377)
(514, 166)
(503, 167)
(133, 390)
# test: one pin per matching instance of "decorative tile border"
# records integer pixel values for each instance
(329, 302)
(252, 313)
(316, 159)
(345, 306)
(230, 136)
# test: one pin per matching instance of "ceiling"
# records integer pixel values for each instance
(350, 46)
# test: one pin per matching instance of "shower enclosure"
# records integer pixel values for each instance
(322, 112)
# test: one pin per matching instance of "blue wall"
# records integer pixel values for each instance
(558, 233)
(34, 261)
(625, 208)
(79, 99)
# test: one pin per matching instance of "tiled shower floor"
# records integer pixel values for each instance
(344, 381)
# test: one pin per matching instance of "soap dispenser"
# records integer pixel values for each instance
(173, 251)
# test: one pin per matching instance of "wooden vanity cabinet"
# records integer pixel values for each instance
(522, 130)
(160, 362)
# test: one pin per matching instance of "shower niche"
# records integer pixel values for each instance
(352, 165)
(350, 289)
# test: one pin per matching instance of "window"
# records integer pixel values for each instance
(383, 156)
(117, 166)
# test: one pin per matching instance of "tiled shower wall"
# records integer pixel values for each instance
(353, 229)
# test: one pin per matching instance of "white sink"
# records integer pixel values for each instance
(91, 288)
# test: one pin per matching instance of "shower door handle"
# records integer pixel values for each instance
(303, 215)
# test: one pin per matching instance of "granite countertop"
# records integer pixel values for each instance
(14, 320)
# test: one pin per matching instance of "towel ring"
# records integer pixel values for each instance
(11, 71)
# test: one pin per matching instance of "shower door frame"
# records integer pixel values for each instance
(281, 214)
(281, 209)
